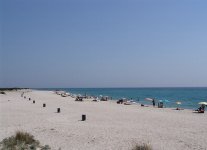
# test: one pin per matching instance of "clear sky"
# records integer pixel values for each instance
(103, 43)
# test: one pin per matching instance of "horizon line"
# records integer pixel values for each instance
(122, 87)
(102, 87)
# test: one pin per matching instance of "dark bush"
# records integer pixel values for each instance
(21, 141)
(2, 92)
(142, 147)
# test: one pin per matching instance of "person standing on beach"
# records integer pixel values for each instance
(153, 102)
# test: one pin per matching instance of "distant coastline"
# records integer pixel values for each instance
(12, 89)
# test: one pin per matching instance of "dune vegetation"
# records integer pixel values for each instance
(22, 141)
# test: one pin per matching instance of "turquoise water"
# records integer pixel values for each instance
(190, 97)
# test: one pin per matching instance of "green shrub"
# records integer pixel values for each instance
(26, 138)
(46, 147)
(2, 92)
(21, 141)
(142, 147)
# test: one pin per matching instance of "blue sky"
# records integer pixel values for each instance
(103, 43)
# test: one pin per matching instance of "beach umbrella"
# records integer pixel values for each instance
(148, 99)
(179, 103)
(202, 103)
(164, 100)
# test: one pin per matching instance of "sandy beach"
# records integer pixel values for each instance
(108, 126)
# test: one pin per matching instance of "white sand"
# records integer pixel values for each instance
(109, 126)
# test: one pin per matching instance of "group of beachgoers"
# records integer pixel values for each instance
(160, 103)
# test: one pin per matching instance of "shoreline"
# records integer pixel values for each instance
(137, 102)
(108, 125)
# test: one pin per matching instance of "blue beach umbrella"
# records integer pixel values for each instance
(167, 101)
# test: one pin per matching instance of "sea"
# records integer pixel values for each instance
(189, 97)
